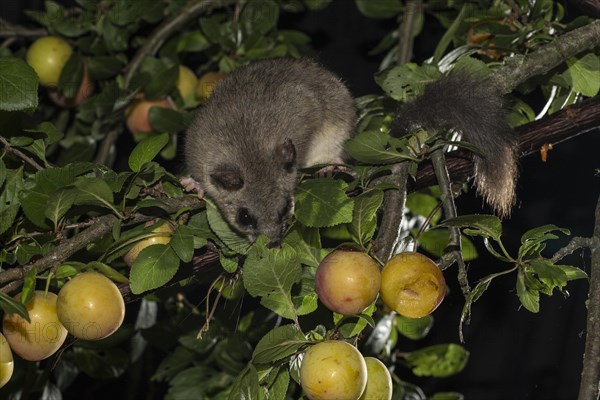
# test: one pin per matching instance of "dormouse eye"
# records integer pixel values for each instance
(245, 219)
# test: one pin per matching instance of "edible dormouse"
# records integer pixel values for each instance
(262, 123)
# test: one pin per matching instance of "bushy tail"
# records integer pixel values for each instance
(465, 104)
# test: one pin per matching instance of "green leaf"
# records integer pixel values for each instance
(146, 150)
(530, 298)
(18, 85)
(438, 361)
(572, 273)
(259, 16)
(232, 239)
(278, 389)
(71, 76)
(192, 41)
(372, 147)
(104, 67)
(414, 328)
(488, 226)
(540, 234)
(11, 306)
(323, 202)
(364, 219)
(182, 242)
(9, 198)
(406, 81)
(379, 8)
(245, 387)
(423, 204)
(317, 5)
(94, 191)
(583, 73)
(154, 267)
(107, 271)
(278, 344)
(106, 364)
(173, 363)
(3, 172)
(166, 120)
(48, 128)
(29, 286)
(548, 274)
(59, 203)
(270, 274)
(193, 383)
(435, 241)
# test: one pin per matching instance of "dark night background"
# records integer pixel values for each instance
(514, 354)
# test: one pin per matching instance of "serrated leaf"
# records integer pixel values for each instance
(438, 361)
(18, 85)
(154, 267)
(278, 390)
(530, 298)
(477, 225)
(572, 273)
(146, 150)
(94, 191)
(11, 306)
(182, 242)
(406, 81)
(270, 274)
(364, 219)
(323, 202)
(372, 147)
(548, 274)
(540, 233)
(59, 203)
(52, 133)
(245, 387)
(9, 198)
(278, 344)
(259, 16)
(232, 239)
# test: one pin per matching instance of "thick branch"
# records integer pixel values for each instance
(102, 226)
(590, 376)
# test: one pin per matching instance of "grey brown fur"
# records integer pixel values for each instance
(468, 105)
(261, 123)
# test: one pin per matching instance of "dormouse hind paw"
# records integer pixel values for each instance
(190, 185)
(333, 170)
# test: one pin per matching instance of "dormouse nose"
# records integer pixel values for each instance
(274, 244)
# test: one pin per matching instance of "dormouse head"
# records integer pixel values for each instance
(254, 193)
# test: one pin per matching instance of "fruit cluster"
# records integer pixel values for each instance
(89, 307)
(347, 282)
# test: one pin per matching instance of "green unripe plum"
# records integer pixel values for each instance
(347, 281)
(379, 381)
(333, 370)
(47, 56)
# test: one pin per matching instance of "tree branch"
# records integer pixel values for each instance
(566, 124)
(170, 26)
(8, 30)
(102, 226)
(589, 388)
(519, 69)
(20, 154)
(394, 200)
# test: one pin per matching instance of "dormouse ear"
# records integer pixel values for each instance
(227, 177)
(286, 153)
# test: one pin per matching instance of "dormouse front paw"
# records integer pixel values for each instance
(190, 185)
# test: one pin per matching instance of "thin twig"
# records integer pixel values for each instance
(8, 30)
(589, 388)
(20, 154)
(575, 244)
